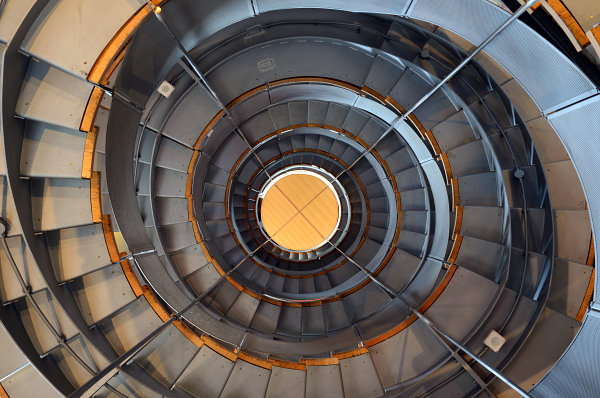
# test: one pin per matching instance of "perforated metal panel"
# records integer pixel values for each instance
(578, 128)
(386, 6)
(547, 75)
(576, 374)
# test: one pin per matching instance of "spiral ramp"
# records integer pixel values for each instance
(140, 141)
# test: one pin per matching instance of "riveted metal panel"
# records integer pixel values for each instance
(410, 88)
(566, 297)
(413, 200)
(460, 305)
(207, 374)
(72, 369)
(41, 337)
(360, 377)
(189, 259)
(577, 127)
(173, 155)
(202, 279)
(171, 210)
(60, 203)
(170, 183)
(409, 179)
(480, 256)
(478, 190)
(548, 340)
(574, 374)
(178, 236)
(12, 356)
(77, 251)
(193, 111)
(246, 380)
(566, 192)
(468, 159)
(313, 321)
(103, 292)
(290, 320)
(490, 230)
(50, 95)
(243, 309)
(78, 54)
(29, 382)
(11, 289)
(399, 160)
(52, 151)
(167, 356)
(407, 354)
(572, 235)
(12, 17)
(286, 383)
(453, 132)
(266, 317)
(130, 325)
(435, 110)
(324, 382)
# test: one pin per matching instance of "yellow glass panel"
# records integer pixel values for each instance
(299, 212)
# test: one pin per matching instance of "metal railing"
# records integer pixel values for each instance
(506, 237)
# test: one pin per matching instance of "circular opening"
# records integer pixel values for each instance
(300, 210)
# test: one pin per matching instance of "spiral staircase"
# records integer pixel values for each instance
(139, 140)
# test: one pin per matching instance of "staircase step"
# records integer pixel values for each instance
(194, 108)
(8, 210)
(202, 279)
(22, 383)
(171, 210)
(127, 328)
(12, 16)
(360, 377)
(468, 159)
(10, 288)
(243, 309)
(88, 31)
(266, 317)
(178, 236)
(566, 298)
(286, 383)
(480, 256)
(490, 230)
(246, 380)
(170, 183)
(77, 251)
(207, 374)
(454, 132)
(167, 356)
(313, 321)
(60, 203)
(52, 151)
(41, 337)
(324, 381)
(407, 354)
(12, 354)
(53, 96)
(102, 293)
(189, 259)
(172, 155)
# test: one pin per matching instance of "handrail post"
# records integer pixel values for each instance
(435, 329)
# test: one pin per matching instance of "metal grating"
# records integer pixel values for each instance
(396, 7)
(547, 75)
(578, 128)
(576, 373)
